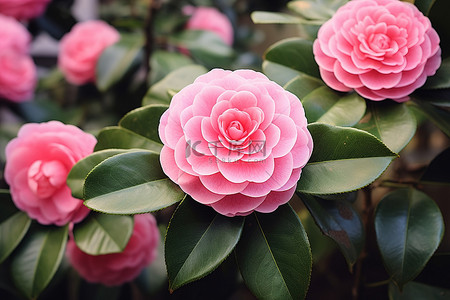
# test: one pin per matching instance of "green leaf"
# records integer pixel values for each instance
(424, 5)
(198, 239)
(164, 62)
(118, 59)
(78, 173)
(117, 137)
(266, 17)
(441, 80)
(437, 171)
(392, 123)
(302, 84)
(326, 106)
(409, 227)
(144, 121)
(175, 80)
(341, 222)
(205, 47)
(14, 225)
(279, 73)
(274, 255)
(130, 183)
(343, 160)
(315, 10)
(418, 291)
(294, 53)
(440, 117)
(37, 258)
(103, 234)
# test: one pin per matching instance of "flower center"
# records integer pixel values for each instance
(380, 41)
(236, 126)
(44, 178)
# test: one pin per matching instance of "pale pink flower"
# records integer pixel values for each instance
(380, 48)
(210, 19)
(235, 141)
(23, 9)
(81, 48)
(13, 35)
(18, 77)
(37, 163)
(117, 268)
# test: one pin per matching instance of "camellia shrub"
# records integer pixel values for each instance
(161, 158)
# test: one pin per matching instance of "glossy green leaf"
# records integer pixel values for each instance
(266, 17)
(409, 227)
(437, 171)
(274, 255)
(37, 258)
(164, 62)
(440, 117)
(78, 173)
(198, 239)
(302, 84)
(294, 53)
(441, 80)
(117, 59)
(130, 183)
(175, 80)
(343, 160)
(424, 5)
(339, 221)
(144, 121)
(391, 122)
(116, 137)
(206, 47)
(316, 9)
(103, 234)
(418, 291)
(326, 106)
(279, 73)
(14, 225)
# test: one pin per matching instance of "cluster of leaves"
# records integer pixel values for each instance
(355, 141)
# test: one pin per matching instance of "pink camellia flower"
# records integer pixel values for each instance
(23, 9)
(117, 268)
(81, 48)
(13, 36)
(380, 48)
(37, 163)
(18, 77)
(235, 141)
(210, 19)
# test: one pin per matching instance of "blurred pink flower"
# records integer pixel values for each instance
(18, 76)
(37, 163)
(380, 48)
(235, 141)
(210, 19)
(81, 48)
(23, 9)
(117, 268)
(13, 36)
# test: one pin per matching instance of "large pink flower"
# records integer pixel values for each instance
(23, 9)
(381, 48)
(37, 163)
(81, 48)
(235, 141)
(18, 77)
(117, 268)
(13, 36)
(210, 19)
